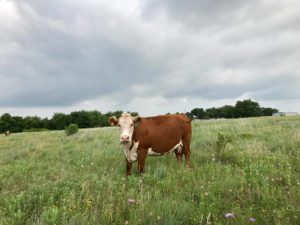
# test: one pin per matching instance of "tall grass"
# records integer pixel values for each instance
(248, 167)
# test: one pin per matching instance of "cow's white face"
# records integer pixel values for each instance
(126, 123)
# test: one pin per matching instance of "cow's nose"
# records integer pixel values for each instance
(125, 137)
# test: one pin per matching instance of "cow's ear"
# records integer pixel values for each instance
(137, 120)
(113, 121)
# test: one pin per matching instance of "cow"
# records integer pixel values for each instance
(7, 133)
(155, 136)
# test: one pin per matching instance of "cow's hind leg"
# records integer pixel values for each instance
(186, 141)
(179, 154)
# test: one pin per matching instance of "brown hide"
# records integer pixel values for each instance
(161, 134)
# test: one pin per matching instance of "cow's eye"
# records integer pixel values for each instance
(119, 125)
(131, 124)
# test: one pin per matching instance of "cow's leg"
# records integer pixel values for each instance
(187, 149)
(142, 154)
(179, 154)
(128, 168)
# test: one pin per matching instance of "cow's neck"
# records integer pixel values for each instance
(130, 150)
(128, 145)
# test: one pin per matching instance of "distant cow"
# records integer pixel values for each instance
(153, 136)
(7, 133)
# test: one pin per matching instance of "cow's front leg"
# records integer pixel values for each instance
(142, 154)
(128, 168)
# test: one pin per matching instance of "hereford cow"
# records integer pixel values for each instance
(7, 133)
(153, 136)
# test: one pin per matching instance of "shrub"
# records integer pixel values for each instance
(222, 141)
(71, 129)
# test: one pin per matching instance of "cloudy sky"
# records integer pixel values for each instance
(150, 56)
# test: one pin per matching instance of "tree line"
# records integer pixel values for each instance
(84, 119)
(90, 119)
(242, 109)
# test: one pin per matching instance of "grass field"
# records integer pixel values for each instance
(248, 167)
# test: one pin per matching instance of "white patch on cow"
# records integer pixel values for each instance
(131, 153)
(152, 153)
(176, 146)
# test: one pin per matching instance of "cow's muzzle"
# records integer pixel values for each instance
(124, 138)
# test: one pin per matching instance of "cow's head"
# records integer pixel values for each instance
(127, 123)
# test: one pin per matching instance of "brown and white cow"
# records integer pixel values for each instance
(153, 136)
(7, 133)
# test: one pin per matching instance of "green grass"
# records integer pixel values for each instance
(249, 167)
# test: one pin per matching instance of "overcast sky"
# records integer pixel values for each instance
(150, 56)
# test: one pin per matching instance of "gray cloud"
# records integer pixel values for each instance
(62, 53)
(54, 67)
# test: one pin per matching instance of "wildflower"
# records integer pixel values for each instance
(229, 215)
(89, 203)
(252, 219)
(131, 201)
(126, 222)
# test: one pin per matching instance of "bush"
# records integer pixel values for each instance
(223, 140)
(71, 129)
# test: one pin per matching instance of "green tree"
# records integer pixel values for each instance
(268, 111)
(5, 121)
(11, 123)
(49, 124)
(17, 124)
(60, 120)
(134, 113)
(212, 113)
(82, 118)
(198, 112)
(33, 122)
(95, 118)
(116, 114)
(226, 111)
(247, 108)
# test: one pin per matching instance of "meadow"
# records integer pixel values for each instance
(243, 171)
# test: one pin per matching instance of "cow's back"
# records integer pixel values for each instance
(162, 133)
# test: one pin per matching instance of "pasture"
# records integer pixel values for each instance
(247, 167)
